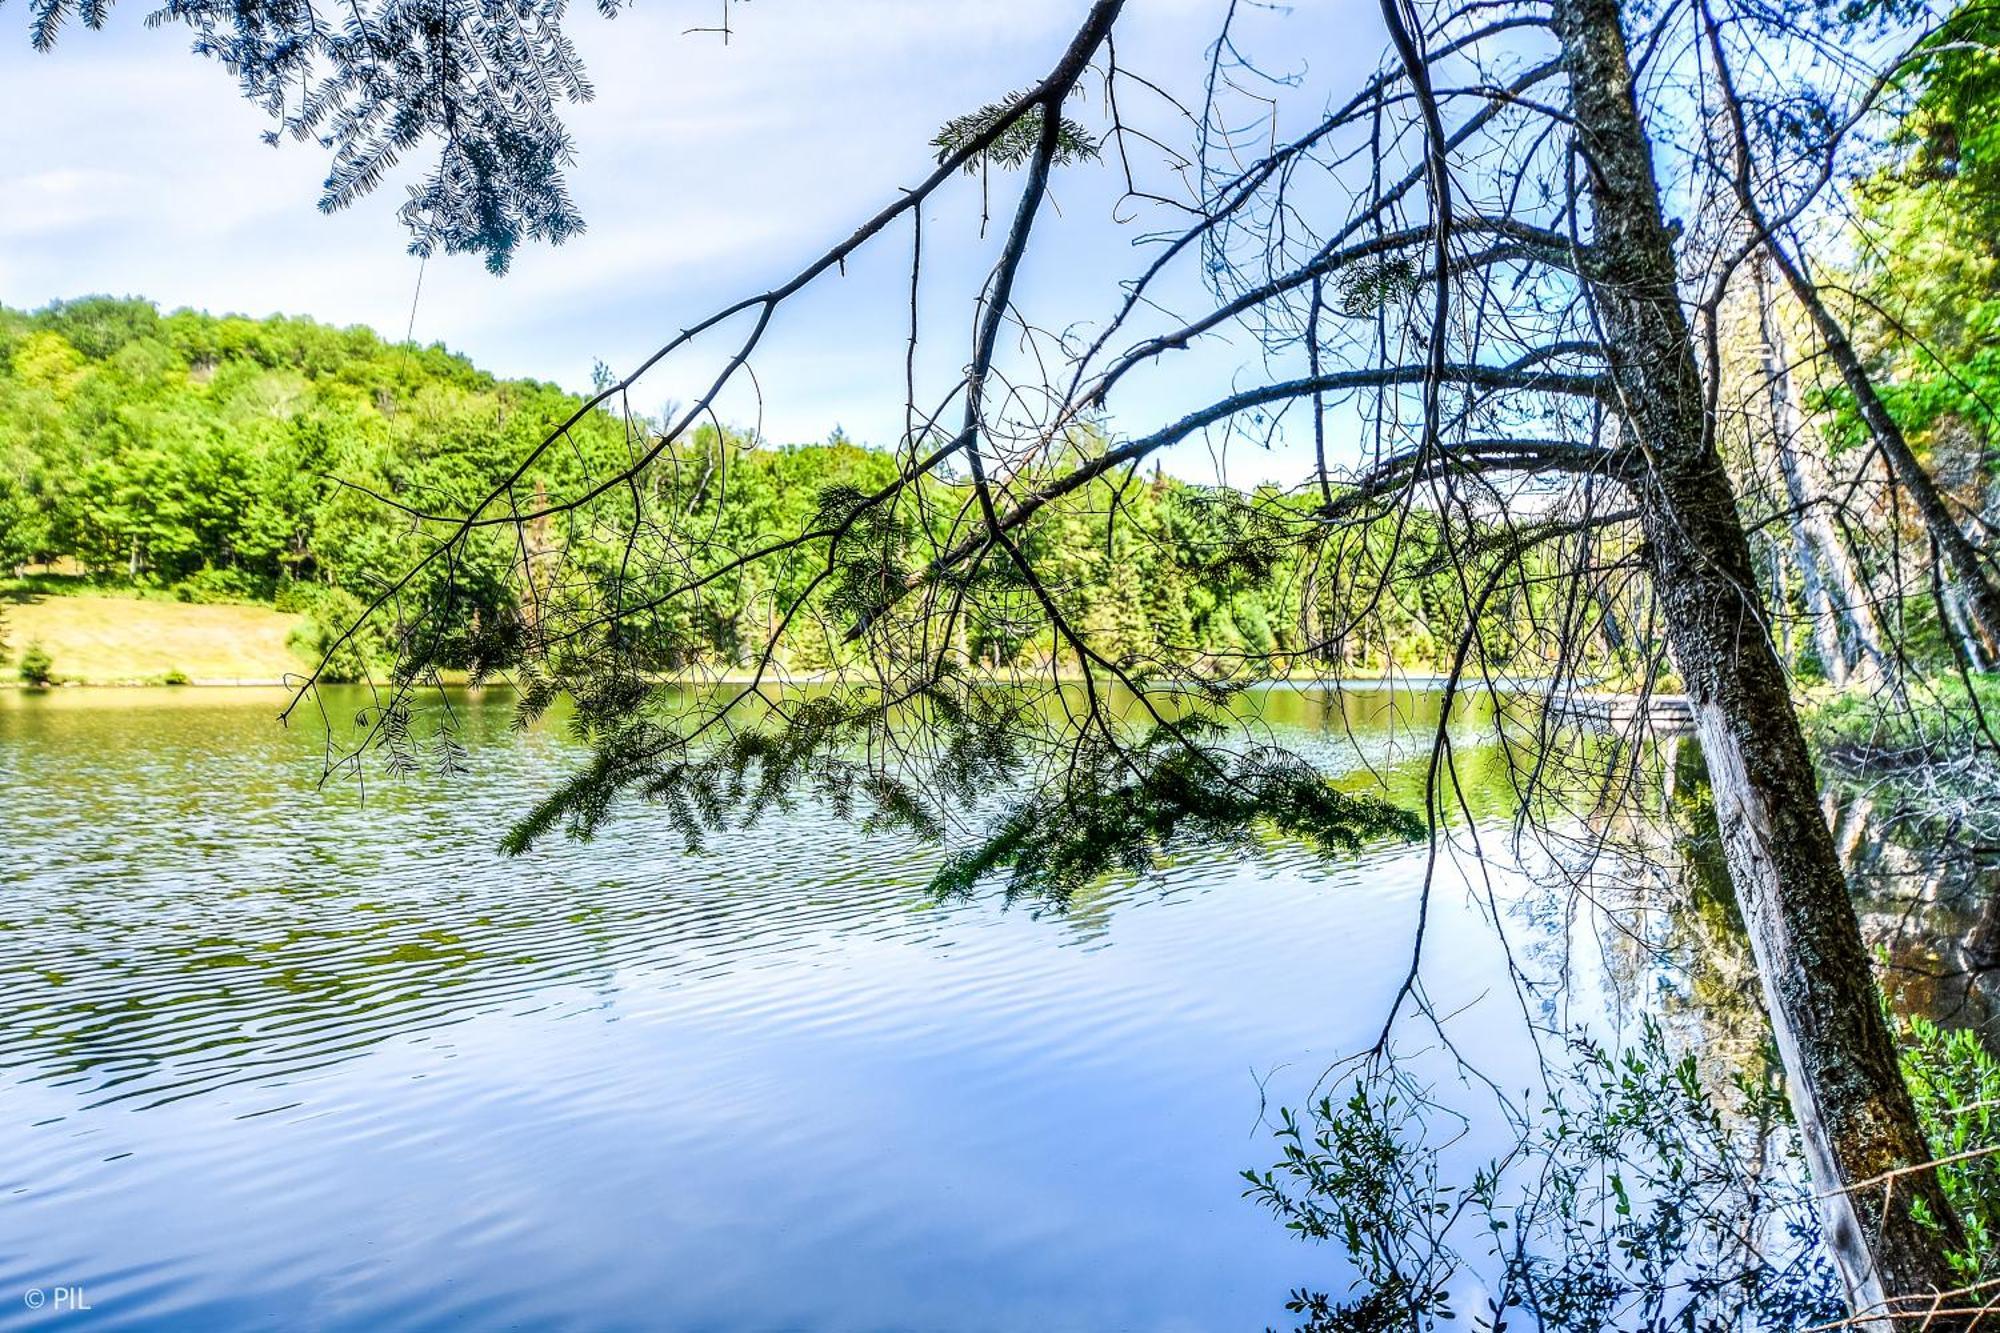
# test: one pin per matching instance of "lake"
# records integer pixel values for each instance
(284, 1057)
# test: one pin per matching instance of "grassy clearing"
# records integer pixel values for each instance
(103, 640)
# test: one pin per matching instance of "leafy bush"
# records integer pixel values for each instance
(1956, 1083)
(211, 585)
(37, 669)
(1633, 1199)
(328, 614)
(298, 598)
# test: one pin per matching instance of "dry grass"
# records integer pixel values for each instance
(125, 640)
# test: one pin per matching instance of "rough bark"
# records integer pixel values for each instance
(1838, 599)
(1967, 567)
(1840, 1061)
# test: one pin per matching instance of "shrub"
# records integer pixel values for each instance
(328, 613)
(1956, 1084)
(298, 597)
(37, 669)
(211, 585)
(1639, 1195)
(176, 677)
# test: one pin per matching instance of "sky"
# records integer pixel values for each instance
(707, 172)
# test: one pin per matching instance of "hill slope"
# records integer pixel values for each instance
(132, 640)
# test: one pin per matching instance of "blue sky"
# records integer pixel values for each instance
(707, 172)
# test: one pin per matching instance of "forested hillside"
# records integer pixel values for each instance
(279, 460)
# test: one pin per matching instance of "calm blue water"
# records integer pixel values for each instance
(272, 1057)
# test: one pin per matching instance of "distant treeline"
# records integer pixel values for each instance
(278, 460)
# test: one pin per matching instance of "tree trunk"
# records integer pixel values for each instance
(1840, 1062)
(1957, 612)
(1835, 593)
(1962, 558)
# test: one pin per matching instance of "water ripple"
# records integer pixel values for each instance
(281, 1058)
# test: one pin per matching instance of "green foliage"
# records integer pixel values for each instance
(101, 326)
(1015, 145)
(385, 79)
(1939, 719)
(210, 585)
(1951, 145)
(322, 635)
(1931, 268)
(226, 459)
(1956, 1083)
(1122, 806)
(1125, 805)
(1365, 286)
(1635, 1199)
(807, 746)
(1351, 1175)
(36, 669)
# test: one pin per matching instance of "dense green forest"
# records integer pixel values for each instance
(274, 460)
